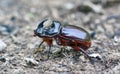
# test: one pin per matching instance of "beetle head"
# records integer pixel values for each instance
(43, 27)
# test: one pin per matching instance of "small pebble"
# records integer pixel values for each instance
(117, 67)
(83, 58)
(117, 33)
(117, 39)
(93, 34)
(2, 45)
(2, 59)
(31, 62)
(18, 71)
(96, 55)
(88, 6)
(12, 18)
(69, 6)
(6, 29)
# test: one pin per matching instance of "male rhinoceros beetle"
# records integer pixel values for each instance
(67, 35)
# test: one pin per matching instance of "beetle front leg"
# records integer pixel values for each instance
(38, 50)
(49, 42)
(41, 43)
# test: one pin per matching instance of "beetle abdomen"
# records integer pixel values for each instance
(75, 37)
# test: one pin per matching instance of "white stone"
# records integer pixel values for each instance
(95, 55)
(30, 60)
(2, 45)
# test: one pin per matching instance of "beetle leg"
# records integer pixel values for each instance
(38, 50)
(84, 52)
(49, 51)
(90, 58)
(41, 44)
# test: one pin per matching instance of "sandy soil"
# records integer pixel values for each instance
(20, 56)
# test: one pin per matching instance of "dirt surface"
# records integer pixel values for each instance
(19, 57)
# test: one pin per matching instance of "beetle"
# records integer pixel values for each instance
(64, 35)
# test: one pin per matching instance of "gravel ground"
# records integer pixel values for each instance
(18, 19)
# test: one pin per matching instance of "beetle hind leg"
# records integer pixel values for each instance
(88, 56)
(85, 53)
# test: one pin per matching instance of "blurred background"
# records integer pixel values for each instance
(18, 19)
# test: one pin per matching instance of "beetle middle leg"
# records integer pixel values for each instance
(49, 51)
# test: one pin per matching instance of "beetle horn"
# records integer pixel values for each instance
(47, 23)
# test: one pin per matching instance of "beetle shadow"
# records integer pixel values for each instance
(63, 53)
(67, 53)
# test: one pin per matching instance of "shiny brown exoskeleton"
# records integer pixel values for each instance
(67, 35)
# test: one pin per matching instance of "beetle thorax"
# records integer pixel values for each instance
(47, 23)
